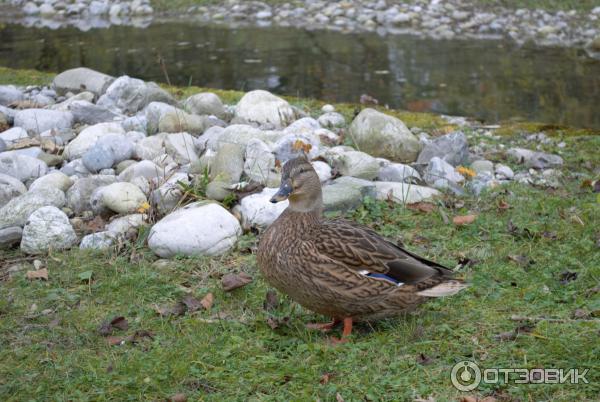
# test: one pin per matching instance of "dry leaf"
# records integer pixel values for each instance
(275, 323)
(467, 398)
(422, 207)
(207, 301)
(138, 336)
(521, 260)
(39, 274)
(175, 310)
(144, 207)
(503, 205)
(180, 397)
(234, 281)
(464, 219)
(300, 145)
(326, 377)
(119, 322)
(271, 302)
(192, 303)
(114, 340)
(465, 171)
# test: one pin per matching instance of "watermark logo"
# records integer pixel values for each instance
(466, 376)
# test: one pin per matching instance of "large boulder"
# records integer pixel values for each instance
(129, 95)
(385, 136)
(88, 137)
(36, 121)
(21, 167)
(17, 210)
(258, 212)
(197, 229)
(357, 164)
(47, 229)
(265, 108)
(452, 148)
(81, 79)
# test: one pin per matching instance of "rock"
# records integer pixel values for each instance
(147, 169)
(79, 194)
(452, 148)
(129, 95)
(57, 180)
(10, 237)
(166, 198)
(137, 123)
(81, 79)
(13, 135)
(210, 136)
(286, 147)
(2, 145)
(403, 193)
(122, 197)
(385, 136)
(346, 193)
(259, 163)
(10, 94)
(228, 164)
(126, 224)
(305, 125)
(75, 168)
(323, 170)
(46, 229)
(258, 212)
(65, 105)
(440, 173)
(50, 160)
(357, 164)
(17, 210)
(21, 167)
(398, 172)
(179, 121)
(197, 229)
(332, 120)
(98, 157)
(263, 107)
(483, 165)
(36, 121)
(154, 112)
(150, 147)
(181, 148)
(30, 8)
(218, 190)
(541, 160)
(482, 181)
(121, 146)
(10, 188)
(242, 134)
(327, 108)
(85, 112)
(98, 241)
(205, 103)
(504, 172)
(88, 137)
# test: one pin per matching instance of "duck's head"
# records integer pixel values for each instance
(300, 185)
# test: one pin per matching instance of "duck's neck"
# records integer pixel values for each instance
(310, 204)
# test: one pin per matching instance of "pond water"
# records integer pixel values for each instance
(487, 79)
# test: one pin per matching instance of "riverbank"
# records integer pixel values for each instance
(559, 23)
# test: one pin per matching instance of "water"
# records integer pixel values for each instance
(489, 80)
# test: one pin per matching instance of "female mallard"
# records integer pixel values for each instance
(339, 268)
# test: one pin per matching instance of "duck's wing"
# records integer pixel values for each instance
(362, 249)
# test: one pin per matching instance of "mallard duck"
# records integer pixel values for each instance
(337, 267)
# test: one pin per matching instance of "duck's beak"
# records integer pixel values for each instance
(283, 193)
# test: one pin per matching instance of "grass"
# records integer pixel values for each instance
(51, 348)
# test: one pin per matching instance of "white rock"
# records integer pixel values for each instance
(403, 193)
(98, 241)
(205, 103)
(332, 120)
(197, 229)
(124, 224)
(323, 170)
(77, 79)
(21, 167)
(10, 188)
(305, 125)
(452, 148)
(80, 193)
(147, 169)
(328, 108)
(398, 172)
(285, 147)
(259, 164)
(122, 197)
(129, 95)
(258, 212)
(166, 198)
(181, 148)
(36, 121)
(439, 172)
(53, 179)
(17, 210)
(10, 94)
(150, 147)
(504, 172)
(47, 229)
(13, 135)
(357, 164)
(210, 139)
(265, 108)
(88, 137)
(154, 112)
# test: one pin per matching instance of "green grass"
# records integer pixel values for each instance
(51, 349)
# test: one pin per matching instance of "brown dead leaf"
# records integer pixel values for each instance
(107, 327)
(468, 398)
(464, 219)
(503, 205)
(95, 225)
(275, 322)
(234, 281)
(191, 303)
(326, 377)
(180, 397)
(207, 301)
(38, 274)
(271, 302)
(138, 336)
(488, 399)
(422, 207)
(174, 310)
(114, 340)
(300, 145)
(25, 143)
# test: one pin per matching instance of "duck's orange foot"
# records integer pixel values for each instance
(323, 326)
(345, 334)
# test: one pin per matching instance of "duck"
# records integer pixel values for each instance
(337, 267)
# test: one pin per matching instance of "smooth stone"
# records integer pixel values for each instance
(123, 197)
(126, 224)
(323, 170)
(166, 198)
(346, 193)
(258, 212)
(181, 148)
(55, 179)
(439, 172)
(13, 135)
(403, 193)
(210, 136)
(541, 160)
(3, 145)
(81, 79)
(129, 95)
(228, 164)
(398, 172)
(75, 168)
(180, 121)
(327, 108)
(384, 136)
(88, 137)
(17, 210)
(36, 121)
(80, 193)
(331, 120)
(10, 94)
(98, 157)
(121, 146)
(263, 107)
(504, 172)
(259, 162)
(305, 125)
(153, 113)
(10, 237)
(64, 106)
(218, 190)
(145, 168)
(482, 181)
(357, 164)
(286, 147)
(21, 167)
(47, 229)
(205, 103)
(85, 112)
(98, 241)
(483, 165)
(150, 147)
(197, 229)
(10, 188)
(452, 148)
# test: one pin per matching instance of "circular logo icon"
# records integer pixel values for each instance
(465, 376)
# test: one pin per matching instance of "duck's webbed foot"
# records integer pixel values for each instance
(345, 333)
(323, 326)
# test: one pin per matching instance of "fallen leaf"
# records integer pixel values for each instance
(567, 276)
(423, 359)
(300, 145)
(175, 310)
(39, 274)
(138, 335)
(503, 205)
(488, 399)
(180, 397)
(207, 301)
(550, 235)
(86, 275)
(465, 171)
(275, 323)
(234, 281)
(581, 313)
(506, 336)
(119, 322)
(95, 225)
(192, 303)
(114, 340)
(271, 302)
(144, 207)
(326, 377)
(521, 260)
(464, 219)
(467, 398)
(422, 207)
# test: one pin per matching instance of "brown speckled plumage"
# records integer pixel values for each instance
(322, 264)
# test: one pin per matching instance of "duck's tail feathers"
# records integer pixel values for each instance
(447, 288)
